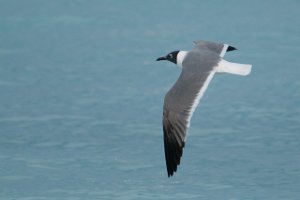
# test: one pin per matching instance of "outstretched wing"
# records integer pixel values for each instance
(181, 101)
(218, 48)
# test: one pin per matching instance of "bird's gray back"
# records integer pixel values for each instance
(212, 46)
(196, 67)
(199, 61)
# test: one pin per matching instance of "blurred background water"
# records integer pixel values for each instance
(81, 100)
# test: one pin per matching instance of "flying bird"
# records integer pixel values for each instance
(198, 68)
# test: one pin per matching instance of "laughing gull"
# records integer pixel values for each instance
(198, 68)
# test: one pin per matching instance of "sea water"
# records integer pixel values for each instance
(81, 100)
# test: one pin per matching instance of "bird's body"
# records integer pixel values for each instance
(198, 68)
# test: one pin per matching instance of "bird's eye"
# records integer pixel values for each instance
(170, 55)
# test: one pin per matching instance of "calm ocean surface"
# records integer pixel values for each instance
(81, 100)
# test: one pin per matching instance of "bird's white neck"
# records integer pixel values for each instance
(180, 57)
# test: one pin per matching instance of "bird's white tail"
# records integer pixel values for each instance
(233, 68)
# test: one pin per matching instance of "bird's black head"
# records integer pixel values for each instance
(172, 57)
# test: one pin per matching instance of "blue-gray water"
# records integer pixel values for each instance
(81, 100)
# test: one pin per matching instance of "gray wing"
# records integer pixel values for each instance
(218, 48)
(181, 101)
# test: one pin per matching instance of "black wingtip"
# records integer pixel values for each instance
(173, 157)
(231, 48)
(171, 172)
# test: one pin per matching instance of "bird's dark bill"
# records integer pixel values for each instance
(161, 58)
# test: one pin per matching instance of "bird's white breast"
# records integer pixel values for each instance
(180, 57)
